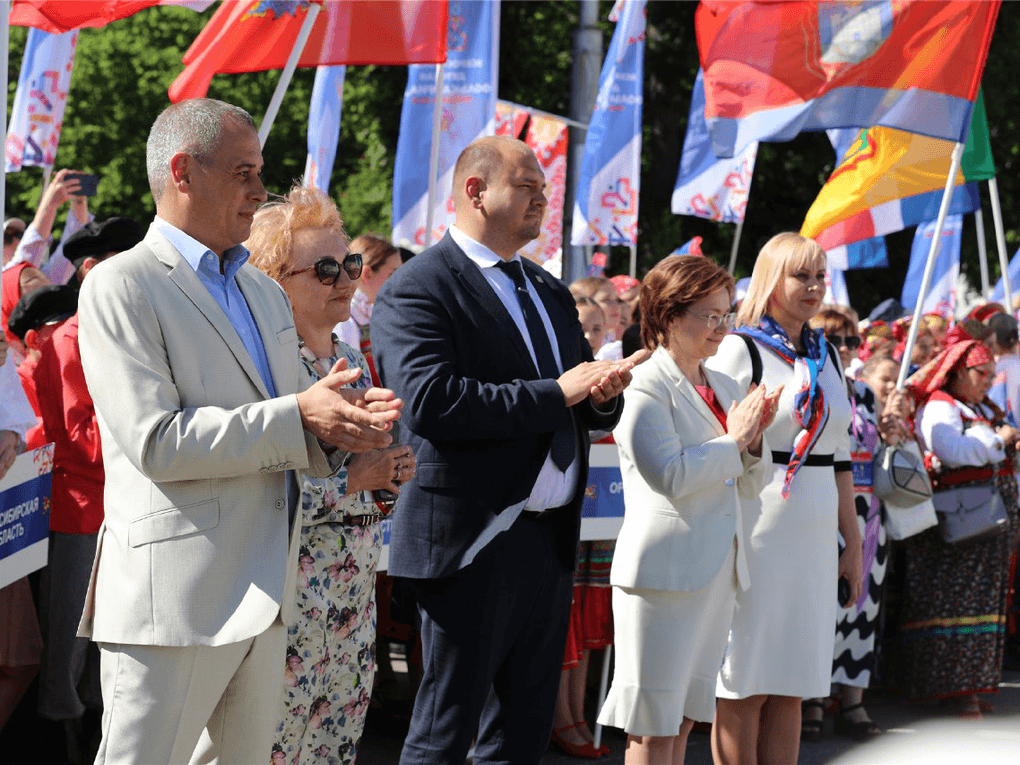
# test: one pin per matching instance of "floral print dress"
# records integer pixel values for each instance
(331, 649)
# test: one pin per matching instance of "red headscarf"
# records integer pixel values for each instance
(934, 375)
(11, 293)
(622, 283)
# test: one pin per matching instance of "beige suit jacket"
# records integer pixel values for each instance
(683, 482)
(195, 548)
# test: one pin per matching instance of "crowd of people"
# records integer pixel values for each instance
(230, 435)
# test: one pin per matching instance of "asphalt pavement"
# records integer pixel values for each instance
(914, 732)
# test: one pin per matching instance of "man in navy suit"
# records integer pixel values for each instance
(500, 390)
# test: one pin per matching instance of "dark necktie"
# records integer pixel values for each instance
(563, 443)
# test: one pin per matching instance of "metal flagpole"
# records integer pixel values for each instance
(1000, 241)
(288, 72)
(437, 121)
(5, 36)
(633, 260)
(979, 222)
(736, 245)
(929, 267)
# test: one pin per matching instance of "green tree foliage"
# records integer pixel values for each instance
(123, 70)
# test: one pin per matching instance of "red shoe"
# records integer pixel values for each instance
(585, 750)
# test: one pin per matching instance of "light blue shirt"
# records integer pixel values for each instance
(223, 287)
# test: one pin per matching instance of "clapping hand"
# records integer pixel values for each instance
(599, 380)
(352, 420)
(743, 421)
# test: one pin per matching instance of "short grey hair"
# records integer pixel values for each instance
(194, 127)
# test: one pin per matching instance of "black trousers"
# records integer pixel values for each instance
(493, 637)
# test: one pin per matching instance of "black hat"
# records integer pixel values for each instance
(96, 240)
(46, 305)
(1004, 327)
(888, 310)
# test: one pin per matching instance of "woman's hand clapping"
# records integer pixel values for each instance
(743, 421)
(380, 469)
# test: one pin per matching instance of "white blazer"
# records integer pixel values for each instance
(683, 479)
(196, 548)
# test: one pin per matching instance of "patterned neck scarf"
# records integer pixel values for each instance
(810, 406)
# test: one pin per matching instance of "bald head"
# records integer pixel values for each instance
(498, 194)
(485, 159)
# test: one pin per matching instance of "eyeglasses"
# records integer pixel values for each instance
(12, 237)
(852, 343)
(327, 270)
(727, 320)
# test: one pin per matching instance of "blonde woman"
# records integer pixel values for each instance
(780, 645)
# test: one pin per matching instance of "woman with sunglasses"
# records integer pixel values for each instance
(857, 623)
(330, 662)
(780, 646)
(954, 611)
(691, 457)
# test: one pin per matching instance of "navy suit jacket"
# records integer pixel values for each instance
(476, 412)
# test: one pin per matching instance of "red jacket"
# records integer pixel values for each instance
(69, 419)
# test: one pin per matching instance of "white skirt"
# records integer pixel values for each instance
(669, 646)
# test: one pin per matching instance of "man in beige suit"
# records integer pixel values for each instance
(191, 357)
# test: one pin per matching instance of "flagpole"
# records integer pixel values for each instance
(1000, 241)
(633, 261)
(437, 122)
(5, 35)
(979, 223)
(929, 267)
(288, 71)
(736, 245)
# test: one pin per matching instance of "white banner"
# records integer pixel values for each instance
(38, 112)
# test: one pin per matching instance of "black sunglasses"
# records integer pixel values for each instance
(852, 343)
(327, 270)
(11, 238)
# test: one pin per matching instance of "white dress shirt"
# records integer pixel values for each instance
(553, 487)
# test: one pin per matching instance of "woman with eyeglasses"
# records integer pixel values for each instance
(780, 646)
(330, 662)
(952, 622)
(853, 659)
(691, 457)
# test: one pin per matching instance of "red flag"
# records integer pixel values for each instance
(773, 69)
(255, 36)
(57, 16)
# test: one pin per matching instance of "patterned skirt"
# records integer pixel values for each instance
(953, 625)
(853, 659)
(591, 612)
(331, 649)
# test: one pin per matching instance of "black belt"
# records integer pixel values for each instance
(361, 520)
(812, 460)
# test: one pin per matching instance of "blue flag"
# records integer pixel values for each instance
(324, 125)
(606, 202)
(941, 296)
(999, 293)
(707, 186)
(470, 82)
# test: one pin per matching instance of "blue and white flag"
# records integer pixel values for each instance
(867, 253)
(606, 202)
(38, 113)
(707, 186)
(941, 296)
(324, 125)
(999, 293)
(835, 287)
(470, 82)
